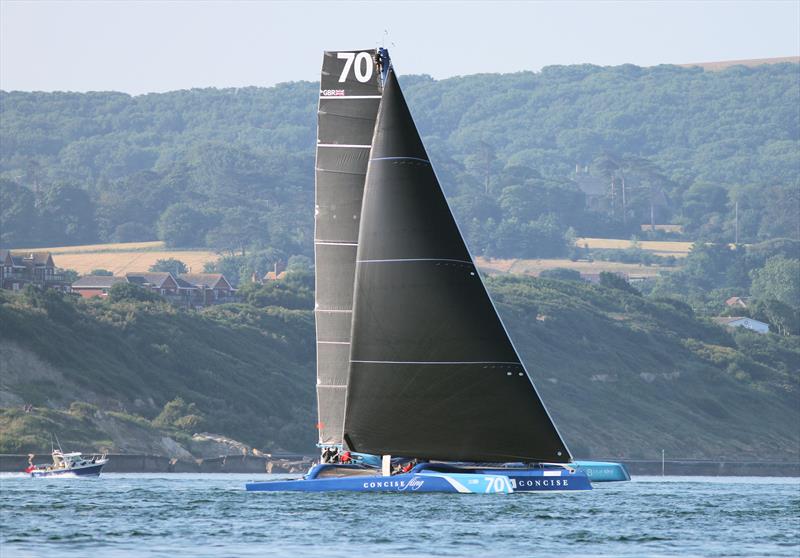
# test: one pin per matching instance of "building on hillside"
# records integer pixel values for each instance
(278, 272)
(162, 282)
(211, 288)
(90, 286)
(745, 322)
(193, 290)
(30, 268)
(737, 302)
(273, 276)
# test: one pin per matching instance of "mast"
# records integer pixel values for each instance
(350, 92)
(433, 373)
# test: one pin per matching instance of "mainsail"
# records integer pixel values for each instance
(432, 371)
(350, 92)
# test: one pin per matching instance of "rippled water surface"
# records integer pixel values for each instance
(212, 515)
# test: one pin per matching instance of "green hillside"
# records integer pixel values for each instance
(232, 169)
(622, 375)
(248, 371)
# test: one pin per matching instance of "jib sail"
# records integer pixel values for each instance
(432, 372)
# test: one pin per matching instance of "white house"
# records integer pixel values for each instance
(748, 323)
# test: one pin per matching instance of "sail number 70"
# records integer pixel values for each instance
(360, 62)
(498, 484)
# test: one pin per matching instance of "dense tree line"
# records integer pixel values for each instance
(232, 169)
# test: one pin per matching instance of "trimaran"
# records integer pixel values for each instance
(413, 361)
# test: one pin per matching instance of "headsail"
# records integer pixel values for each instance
(432, 373)
(350, 91)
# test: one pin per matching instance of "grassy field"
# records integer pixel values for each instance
(122, 257)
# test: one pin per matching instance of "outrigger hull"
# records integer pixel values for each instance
(430, 478)
(603, 471)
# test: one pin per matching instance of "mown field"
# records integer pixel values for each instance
(120, 258)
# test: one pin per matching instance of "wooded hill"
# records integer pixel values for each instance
(622, 375)
(232, 169)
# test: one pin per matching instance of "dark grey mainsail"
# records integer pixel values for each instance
(350, 92)
(432, 373)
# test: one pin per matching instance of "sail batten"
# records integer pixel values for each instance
(432, 371)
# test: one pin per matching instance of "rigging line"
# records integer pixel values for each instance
(416, 260)
(398, 158)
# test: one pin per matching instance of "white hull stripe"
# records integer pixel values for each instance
(343, 145)
(331, 243)
(457, 485)
(433, 362)
(331, 386)
(401, 158)
(343, 311)
(415, 260)
(333, 342)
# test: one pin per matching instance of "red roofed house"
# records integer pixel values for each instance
(213, 288)
(736, 302)
(89, 286)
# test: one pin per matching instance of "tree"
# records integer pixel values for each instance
(562, 274)
(170, 265)
(180, 415)
(779, 279)
(128, 292)
(614, 281)
(69, 275)
(18, 217)
(101, 272)
(783, 319)
(67, 215)
(781, 217)
(181, 225)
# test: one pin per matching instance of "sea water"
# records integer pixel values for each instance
(212, 515)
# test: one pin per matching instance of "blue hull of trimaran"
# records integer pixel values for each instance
(603, 471)
(427, 478)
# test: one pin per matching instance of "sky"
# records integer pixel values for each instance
(154, 46)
